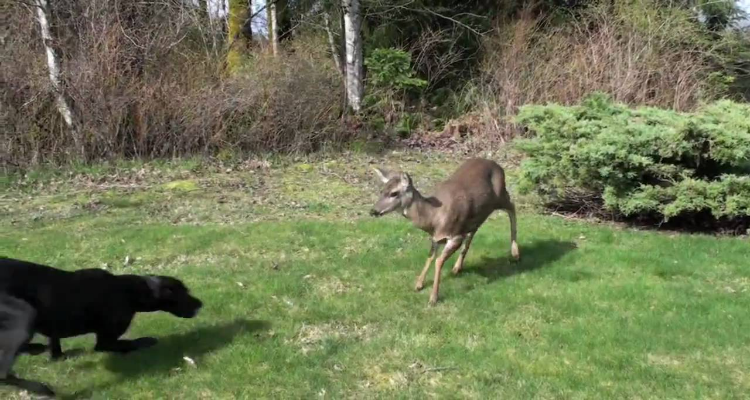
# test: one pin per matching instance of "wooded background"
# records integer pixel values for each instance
(87, 80)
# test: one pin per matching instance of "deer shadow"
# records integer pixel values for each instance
(168, 354)
(538, 254)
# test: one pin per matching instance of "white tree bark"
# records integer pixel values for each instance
(273, 30)
(53, 65)
(352, 26)
(336, 54)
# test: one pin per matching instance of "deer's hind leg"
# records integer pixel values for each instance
(461, 256)
(511, 210)
(507, 205)
(420, 279)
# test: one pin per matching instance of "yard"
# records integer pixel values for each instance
(306, 296)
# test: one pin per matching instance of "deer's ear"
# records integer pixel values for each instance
(405, 179)
(381, 174)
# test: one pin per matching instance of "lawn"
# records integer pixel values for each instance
(308, 297)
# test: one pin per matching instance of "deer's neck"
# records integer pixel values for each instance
(421, 212)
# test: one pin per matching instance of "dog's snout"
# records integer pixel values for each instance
(374, 212)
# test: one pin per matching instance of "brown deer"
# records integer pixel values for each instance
(452, 216)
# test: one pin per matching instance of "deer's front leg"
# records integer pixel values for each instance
(450, 248)
(420, 278)
(460, 262)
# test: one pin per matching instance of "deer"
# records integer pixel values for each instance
(452, 215)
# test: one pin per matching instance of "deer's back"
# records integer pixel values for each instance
(469, 196)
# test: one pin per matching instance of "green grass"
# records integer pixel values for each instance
(307, 297)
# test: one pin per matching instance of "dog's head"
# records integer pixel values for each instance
(172, 296)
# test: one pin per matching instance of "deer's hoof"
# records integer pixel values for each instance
(456, 270)
(419, 286)
(514, 251)
(433, 301)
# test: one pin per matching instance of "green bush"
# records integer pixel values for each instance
(391, 90)
(391, 69)
(639, 162)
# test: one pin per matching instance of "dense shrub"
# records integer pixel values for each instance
(639, 162)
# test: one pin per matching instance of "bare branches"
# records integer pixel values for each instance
(435, 53)
(426, 10)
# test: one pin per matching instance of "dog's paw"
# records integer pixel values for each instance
(34, 349)
(144, 343)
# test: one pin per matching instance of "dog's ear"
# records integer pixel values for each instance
(154, 283)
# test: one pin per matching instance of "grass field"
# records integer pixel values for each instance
(308, 297)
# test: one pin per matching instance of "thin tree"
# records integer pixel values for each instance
(273, 27)
(53, 66)
(352, 33)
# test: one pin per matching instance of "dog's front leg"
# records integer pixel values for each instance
(114, 345)
(55, 348)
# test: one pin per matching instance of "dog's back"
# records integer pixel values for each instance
(28, 281)
(67, 303)
(17, 275)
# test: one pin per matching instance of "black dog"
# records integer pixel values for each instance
(66, 304)
(16, 319)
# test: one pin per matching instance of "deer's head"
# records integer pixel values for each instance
(397, 194)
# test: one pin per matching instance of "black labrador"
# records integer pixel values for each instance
(60, 304)
(16, 319)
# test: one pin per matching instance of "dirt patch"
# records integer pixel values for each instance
(313, 337)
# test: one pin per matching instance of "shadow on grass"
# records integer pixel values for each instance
(169, 352)
(538, 254)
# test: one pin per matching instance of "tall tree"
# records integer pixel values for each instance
(53, 67)
(273, 27)
(239, 37)
(354, 73)
(334, 47)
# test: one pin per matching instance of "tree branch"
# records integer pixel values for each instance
(455, 21)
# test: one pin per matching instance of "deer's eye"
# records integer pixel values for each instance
(394, 194)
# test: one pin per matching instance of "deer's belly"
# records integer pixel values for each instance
(460, 226)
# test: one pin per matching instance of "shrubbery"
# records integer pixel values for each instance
(639, 162)
(153, 85)
(640, 52)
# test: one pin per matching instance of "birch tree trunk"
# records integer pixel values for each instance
(53, 66)
(352, 24)
(335, 52)
(273, 27)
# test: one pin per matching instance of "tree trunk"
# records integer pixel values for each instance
(283, 20)
(352, 24)
(239, 42)
(335, 52)
(247, 28)
(273, 29)
(53, 65)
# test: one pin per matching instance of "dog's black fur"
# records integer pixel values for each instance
(65, 304)
(16, 319)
